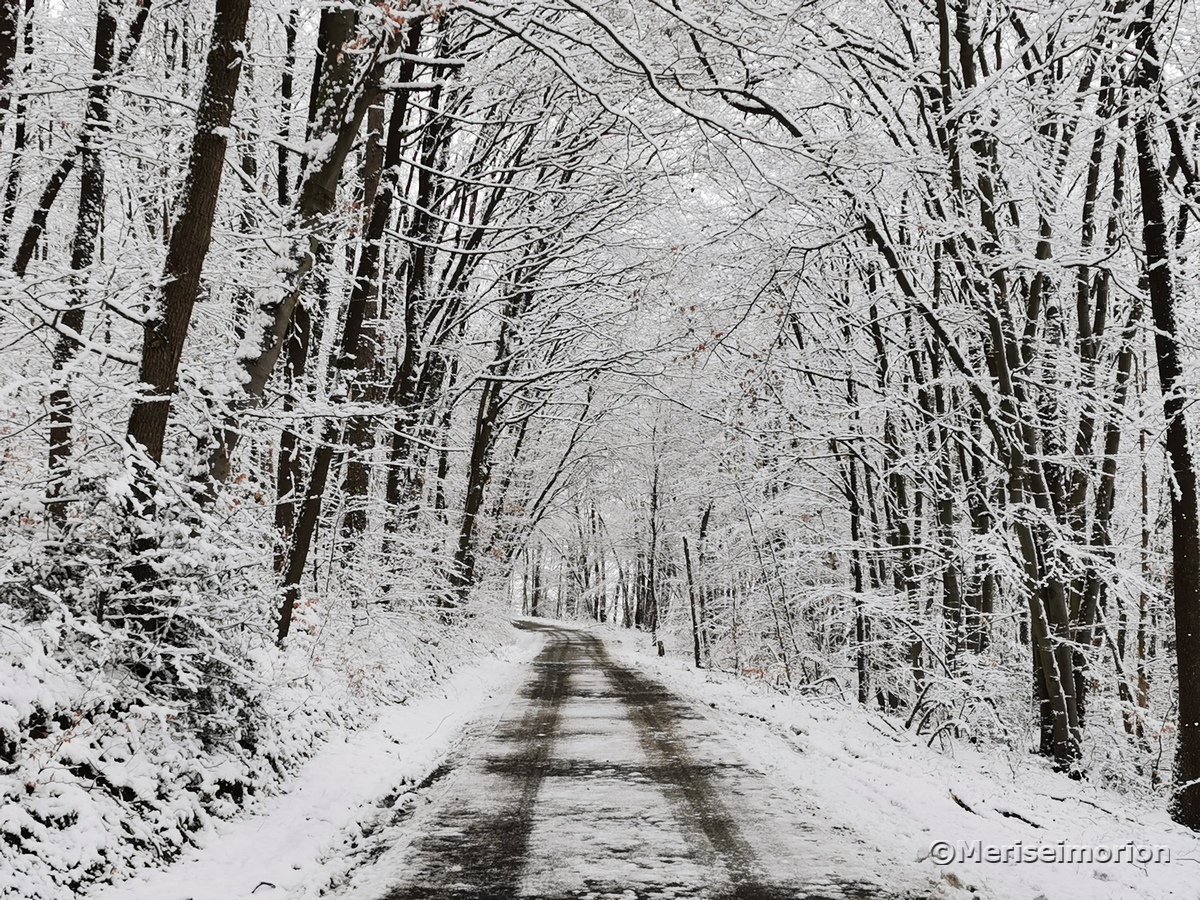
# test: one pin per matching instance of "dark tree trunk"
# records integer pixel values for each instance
(167, 327)
(691, 581)
(861, 660)
(289, 465)
(11, 21)
(651, 616)
(41, 213)
(344, 92)
(83, 254)
(417, 358)
(491, 404)
(366, 386)
(305, 530)
(478, 471)
(283, 180)
(1185, 503)
(703, 592)
(1185, 516)
(54, 184)
(353, 371)
(382, 169)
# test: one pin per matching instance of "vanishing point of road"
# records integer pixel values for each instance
(597, 782)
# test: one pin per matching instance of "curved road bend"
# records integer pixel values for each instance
(599, 783)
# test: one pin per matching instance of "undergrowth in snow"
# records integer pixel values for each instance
(343, 806)
(105, 769)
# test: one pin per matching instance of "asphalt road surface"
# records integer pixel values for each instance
(598, 783)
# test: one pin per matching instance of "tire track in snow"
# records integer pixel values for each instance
(607, 785)
(465, 855)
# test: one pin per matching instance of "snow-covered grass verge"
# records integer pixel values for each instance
(903, 797)
(298, 843)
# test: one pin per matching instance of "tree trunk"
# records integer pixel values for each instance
(167, 326)
(54, 184)
(288, 463)
(462, 575)
(651, 613)
(691, 582)
(366, 386)
(83, 254)
(382, 171)
(10, 19)
(491, 404)
(283, 180)
(1185, 515)
(345, 91)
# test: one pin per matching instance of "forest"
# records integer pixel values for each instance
(844, 346)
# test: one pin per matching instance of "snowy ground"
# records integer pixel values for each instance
(882, 798)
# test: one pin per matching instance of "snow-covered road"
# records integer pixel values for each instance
(595, 781)
(568, 766)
